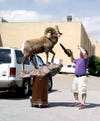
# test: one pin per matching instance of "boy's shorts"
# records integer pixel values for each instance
(79, 85)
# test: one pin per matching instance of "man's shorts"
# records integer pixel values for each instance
(79, 85)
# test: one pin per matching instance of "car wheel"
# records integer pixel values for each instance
(25, 88)
(50, 83)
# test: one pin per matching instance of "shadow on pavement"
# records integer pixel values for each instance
(92, 105)
(11, 96)
(69, 104)
(52, 91)
(63, 104)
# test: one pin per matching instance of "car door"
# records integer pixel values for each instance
(19, 56)
(5, 61)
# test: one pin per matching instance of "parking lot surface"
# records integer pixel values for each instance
(60, 101)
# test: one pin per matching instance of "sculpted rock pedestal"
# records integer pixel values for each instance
(40, 91)
(40, 83)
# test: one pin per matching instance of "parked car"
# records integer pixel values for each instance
(70, 68)
(11, 66)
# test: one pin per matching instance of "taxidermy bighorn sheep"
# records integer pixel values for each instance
(40, 45)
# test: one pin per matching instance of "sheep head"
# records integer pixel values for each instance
(52, 32)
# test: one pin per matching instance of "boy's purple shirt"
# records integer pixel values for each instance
(81, 65)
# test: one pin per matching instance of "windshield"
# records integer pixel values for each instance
(5, 56)
(38, 61)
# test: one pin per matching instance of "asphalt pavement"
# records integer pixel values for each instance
(60, 101)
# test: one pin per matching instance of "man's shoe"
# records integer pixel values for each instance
(75, 104)
(82, 106)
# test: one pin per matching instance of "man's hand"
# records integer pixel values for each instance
(83, 51)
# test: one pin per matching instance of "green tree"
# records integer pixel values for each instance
(94, 65)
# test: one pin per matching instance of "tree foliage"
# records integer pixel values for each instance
(94, 65)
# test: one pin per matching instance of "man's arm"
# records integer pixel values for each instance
(83, 51)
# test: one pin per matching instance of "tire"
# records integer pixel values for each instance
(50, 83)
(25, 88)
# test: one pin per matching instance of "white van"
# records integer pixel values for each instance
(10, 67)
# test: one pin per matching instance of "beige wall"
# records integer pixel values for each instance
(96, 48)
(13, 34)
(85, 41)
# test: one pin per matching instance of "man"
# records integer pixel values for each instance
(79, 85)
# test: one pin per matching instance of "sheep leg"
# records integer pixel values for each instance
(34, 63)
(47, 55)
(23, 61)
(52, 60)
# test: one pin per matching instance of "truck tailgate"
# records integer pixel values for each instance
(4, 71)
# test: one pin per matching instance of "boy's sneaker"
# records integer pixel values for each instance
(82, 106)
(75, 104)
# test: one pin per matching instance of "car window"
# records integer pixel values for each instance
(19, 56)
(69, 66)
(5, 56)
(39, 61)
(73, 66)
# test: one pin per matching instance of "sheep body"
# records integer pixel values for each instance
(40, 45)
(37, 45)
